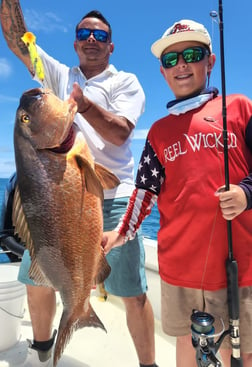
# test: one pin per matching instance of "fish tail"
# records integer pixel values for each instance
(71, 322)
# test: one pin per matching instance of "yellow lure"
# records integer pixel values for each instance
(30, 40)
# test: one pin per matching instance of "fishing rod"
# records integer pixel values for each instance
(202, 323)
(231, 263)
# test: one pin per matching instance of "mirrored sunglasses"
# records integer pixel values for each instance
(191, 54)
(83, 34)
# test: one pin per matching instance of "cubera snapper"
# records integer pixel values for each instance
(58, 206)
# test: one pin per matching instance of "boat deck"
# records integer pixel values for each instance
(91, 347)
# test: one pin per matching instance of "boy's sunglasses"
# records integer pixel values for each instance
(83, 34)
(191, 54)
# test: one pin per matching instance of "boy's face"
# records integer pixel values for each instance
(186, 79)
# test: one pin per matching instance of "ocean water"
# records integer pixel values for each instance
(149, 226)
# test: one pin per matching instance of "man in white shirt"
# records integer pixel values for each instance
(109, 105)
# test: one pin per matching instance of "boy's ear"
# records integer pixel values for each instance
(162, 70)
(211, 62)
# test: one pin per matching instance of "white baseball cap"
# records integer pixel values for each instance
(183, 30)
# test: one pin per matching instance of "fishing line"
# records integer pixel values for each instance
(215, 19)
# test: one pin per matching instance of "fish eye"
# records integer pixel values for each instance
(25, 119)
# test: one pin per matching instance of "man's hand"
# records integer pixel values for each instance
(232, 202)
(110, 240)
(83, 102)
(113, 128)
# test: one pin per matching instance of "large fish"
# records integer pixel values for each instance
(58, 206)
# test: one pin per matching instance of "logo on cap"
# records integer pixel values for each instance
(180, 28)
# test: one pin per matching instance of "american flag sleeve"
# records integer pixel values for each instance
(149, 178)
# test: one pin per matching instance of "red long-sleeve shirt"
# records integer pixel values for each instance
(182, 166)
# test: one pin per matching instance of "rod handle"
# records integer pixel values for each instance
(232, 289)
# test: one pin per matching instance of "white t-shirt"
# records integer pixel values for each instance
(116, 91)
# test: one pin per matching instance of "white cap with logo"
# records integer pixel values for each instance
(183, 30)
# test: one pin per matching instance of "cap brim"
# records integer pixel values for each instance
(159, 46)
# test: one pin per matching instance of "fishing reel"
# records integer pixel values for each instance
(203, 338)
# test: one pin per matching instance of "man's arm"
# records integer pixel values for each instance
(115, 129)
(13, 27)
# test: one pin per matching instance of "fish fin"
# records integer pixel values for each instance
(92, 182)
(19, 221)
(71, 322)
(103, 269)
(108, 179)
(22, 230)
(37, 275)
(98, 178)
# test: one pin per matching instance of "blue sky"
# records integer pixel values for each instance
(136, 25)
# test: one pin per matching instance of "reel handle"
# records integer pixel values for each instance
(212, 358)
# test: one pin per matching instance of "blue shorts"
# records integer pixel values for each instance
(127, 277)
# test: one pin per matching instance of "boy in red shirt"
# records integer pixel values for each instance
(182, 167)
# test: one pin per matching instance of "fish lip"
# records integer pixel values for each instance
(36, 92)
(33, 95)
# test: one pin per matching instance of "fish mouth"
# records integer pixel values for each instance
(36, 93)
(31, 96)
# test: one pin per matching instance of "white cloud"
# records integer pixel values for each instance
(4, 98)
(46, 22)
(5, 68)
(140, 134)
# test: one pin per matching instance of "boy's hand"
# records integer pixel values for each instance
(110, 240)
(232, 202)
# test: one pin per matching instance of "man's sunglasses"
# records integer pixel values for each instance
(83, 34)
(191, 54)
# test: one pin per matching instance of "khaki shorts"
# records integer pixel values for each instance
(177, 304)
